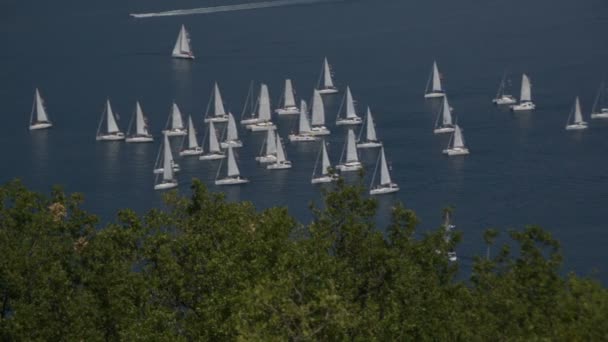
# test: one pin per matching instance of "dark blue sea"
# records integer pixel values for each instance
(523, 168)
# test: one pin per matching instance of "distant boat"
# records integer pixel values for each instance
(142, 132)
(165, 157)
(263, 122)
(248, 116)
(456, 146)
(281, 163)
(175, 123)
(288, 101)
(193, 148)
(349, 161)
(433, 85)
(502, 96)
(325, 174)
(371, 140)
(213, 148)
(39, 118)
(232, 134)
(386, 185)
(167, 180)
(304, 129)
(525, 98)
(600, 107)
(318, 115)
(269, 149)
(575, 119)
(112, 132)
(233, 175)
(219, 112)
(325, 85)
(444, 123)
(350, 114)
(182, 47)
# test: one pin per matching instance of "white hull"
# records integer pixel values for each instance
(369, 144)
(197, 151)
(326, 91)
(40, 125)
(523, 107)
(161, 170)
(176, 132)
(111, 137)
(166, 185)
(504, 100)
(302, 137)
(140, 139)
(452, 256)
(384, 189)
(182, 56)
(351, 166)
(279, 166)
(266, 159)
(233, 143)
(443, 130)
(217, 119)
(578, 126)
(351, 121)
(602, 115)
(231, 181)
(251, 121)
(212, 156)
(434, 95)
(320, 130)
(456, 151)
(324, 179)
(261, 126)
(288, 111)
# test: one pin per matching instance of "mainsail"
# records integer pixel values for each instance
(304, 124)
(436, 78)
(167, 160)
(192, 143)
(350, 105)
(110, 120)
(370, 129)
(233, 168)
(264, 104)
(327, 80)
(526, 91)
(351, 147)
(41, 115)
(288, 96)
(176, 118)
(318, 109)
(385, 177)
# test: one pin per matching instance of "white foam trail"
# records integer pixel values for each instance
(229, 8)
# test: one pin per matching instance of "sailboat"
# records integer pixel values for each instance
(350, 161)
(325, 173)
(386, 186)
(351, 117)
(232, 134)
(281, 163)
(325, 85)
(263, 118)
(167, 180)
(193, 148)
(456, 146)
(575, 119)
(600, 108)
(444, 125)
(142, 132)
(182, 48)
(318, 115)
(219, 113)
(269, 148)
(525, 98)
(433, 85)
(39, 118)
(112, 132)
(371, 140)
(175, 123)
(213, 149)
(248, 116)
(233, 175)
(165, 157)
(304, 129)
(288, 100)
(502, 96)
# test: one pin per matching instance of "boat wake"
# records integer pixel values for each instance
(229, 8)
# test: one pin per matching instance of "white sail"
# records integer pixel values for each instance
(385, 177)
(288, 96)
(233, 168)
(110, 120)
(217, 101)
(140, 122)
(167, 160)
(351, 147)
(350, 105)
(325, 164)
(264, 104)
(41, 115)
(327, 80)
(458, 138)
(446, 112)
(526, 91)
(232, 133)
(192, 142)
(304, 124)
(280, 151)
(578, 116)
(318, 109)
(214, 145)
(176, 118)
(436, 78)
(178, 42)
(182, 45)
(271, 143)
(370, 129)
